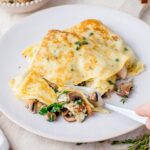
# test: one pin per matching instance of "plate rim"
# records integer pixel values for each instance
(52, 137)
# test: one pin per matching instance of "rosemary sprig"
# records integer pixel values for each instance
(139, 143)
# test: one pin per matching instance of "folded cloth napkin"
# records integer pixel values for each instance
(3, 142)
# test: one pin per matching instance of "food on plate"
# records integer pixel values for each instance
(87, 54)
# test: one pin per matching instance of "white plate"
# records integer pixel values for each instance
(31, 30)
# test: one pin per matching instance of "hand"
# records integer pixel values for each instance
(144, 110)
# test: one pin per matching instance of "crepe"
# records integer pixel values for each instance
(87, 52)
(31, 85)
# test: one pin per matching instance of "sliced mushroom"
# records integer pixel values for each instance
(30, 105)
(109, 93)
(52, 85)
(50, 116)
(69, 118)
(67, 115)
(82, 83)
(38, 106)
(93, 97)
(65, 112)
(33, 105)
(123, 73)
(75, 96)
(124, 89)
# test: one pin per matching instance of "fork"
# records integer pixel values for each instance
(126, 112)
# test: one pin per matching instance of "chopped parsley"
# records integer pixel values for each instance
(125, 49)
(43, 111)
(117, 59)
(91, 34)
(84, 38)
(84, 43)
(65, 92)
(55, 107)
(77, 48)
(55, 90)
(124, 99)
(80, 43)
(79, 101)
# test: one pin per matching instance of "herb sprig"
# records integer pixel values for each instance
(139, 143)
(80, 43)
(124, 99)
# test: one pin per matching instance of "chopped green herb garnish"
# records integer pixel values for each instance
(77, 48)
(125, 49)
(84, 38)
(84, 43)
(79, 102)
(110, 82)
(78, 43)
(55, 107)
(124, 99)
(43, 111)
(65, 92)
(91, 34)
(55, 90)
(139, 143)
(117, 59)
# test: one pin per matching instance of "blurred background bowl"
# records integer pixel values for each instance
(22, 7)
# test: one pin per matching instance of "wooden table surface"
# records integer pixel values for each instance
(21, 139)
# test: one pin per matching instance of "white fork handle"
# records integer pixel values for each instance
(128, 113)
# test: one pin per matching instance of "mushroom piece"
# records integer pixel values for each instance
(30, 105)
(75, 96)
(65, 112)
(50, 116)
(67, 115)
(69, 118)
(123, 73)
(33, 105)
(93, 97)
(124, 89)
(82, 83)
(52, 85)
